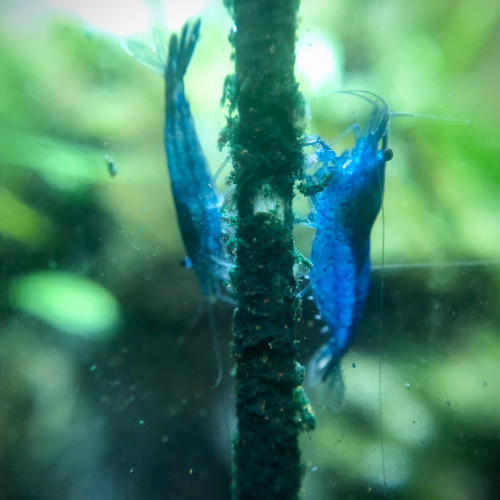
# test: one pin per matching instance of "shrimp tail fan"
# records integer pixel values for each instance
(150, 51)
(325, 367)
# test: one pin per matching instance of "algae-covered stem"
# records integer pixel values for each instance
(267, 159)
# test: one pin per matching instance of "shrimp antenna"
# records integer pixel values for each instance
(220, 169)
(422, 265)
(216, 346)
(366, 94)
(380, 336)
(429, 117)
(362, 94)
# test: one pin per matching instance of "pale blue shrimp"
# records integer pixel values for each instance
(195, 198)
(345, 208)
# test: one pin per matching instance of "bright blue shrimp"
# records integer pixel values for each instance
(195, 198)
(344, 213)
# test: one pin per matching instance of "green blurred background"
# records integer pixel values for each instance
(105, 377)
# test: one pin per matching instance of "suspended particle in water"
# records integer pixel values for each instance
(112, 170)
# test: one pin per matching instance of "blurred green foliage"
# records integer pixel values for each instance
(70, 406)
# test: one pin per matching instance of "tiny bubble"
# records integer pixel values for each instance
(190, 472)
(93, 368)
(164, 438)
(141, 422)
(314, 469)
(407, 385)
(131, 470)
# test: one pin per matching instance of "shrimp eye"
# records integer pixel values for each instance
(385, 155)
(187, 263)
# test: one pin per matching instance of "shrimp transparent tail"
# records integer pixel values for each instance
(325, 364)
(150, 51)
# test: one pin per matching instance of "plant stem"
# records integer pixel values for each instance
(267, 159)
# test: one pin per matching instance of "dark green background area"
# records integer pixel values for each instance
(105, 377)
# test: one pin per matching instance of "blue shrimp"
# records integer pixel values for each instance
(195, 198)
(344, 213)
(194, 194)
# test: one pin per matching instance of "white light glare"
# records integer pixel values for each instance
(133, 16)
(317, 61)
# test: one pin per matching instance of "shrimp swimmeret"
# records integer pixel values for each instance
(345, 207)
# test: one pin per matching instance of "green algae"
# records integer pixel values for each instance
(264, 130)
